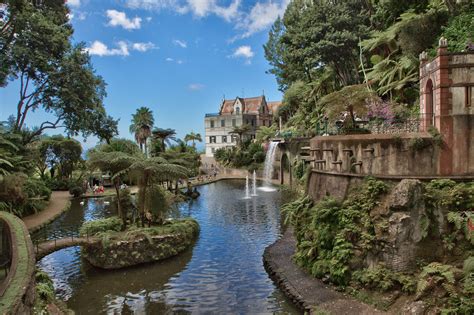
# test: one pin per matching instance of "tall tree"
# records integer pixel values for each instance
(52, 74)
(165, 136)
(142, 123)
(193, 137)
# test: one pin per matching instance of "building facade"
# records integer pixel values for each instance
(252, 111)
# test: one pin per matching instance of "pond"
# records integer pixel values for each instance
(222, 273)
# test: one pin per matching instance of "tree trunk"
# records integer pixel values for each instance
(119, 206)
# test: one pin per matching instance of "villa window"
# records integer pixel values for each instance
(212, 123)
(253, 122)
(222, 123)
(213, 150)
(224, 139)
(234, 122)
(234, 138)
(237, 110)
(212, 139)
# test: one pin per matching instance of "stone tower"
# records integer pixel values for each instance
(447, 103)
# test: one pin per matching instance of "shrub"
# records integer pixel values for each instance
(76, 191)
(328, 232)
(36, 188)
(102, 225)
(384, 279)
(44, 287)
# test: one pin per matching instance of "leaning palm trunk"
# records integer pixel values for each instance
(120, 211)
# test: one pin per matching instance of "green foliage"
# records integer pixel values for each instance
(118, 145)
(457, 199)
(98, 226)
(328, 232)
(418, 143)
(265, 133)
(457, 297)
(250, 155)
(164, 137)
(384, 279)
(44, 287)
(193, 137)
(38, 54)
(23, 195)
(76, 191)
(154, 202)
(126, 202)
(468, 266)
(436, 273)
(460, 30)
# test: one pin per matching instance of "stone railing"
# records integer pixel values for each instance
(17, 290)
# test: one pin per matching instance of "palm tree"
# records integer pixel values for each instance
(116, 163)
(164, 136)
(241, 131)
(150, 172)
(193, 137)
(142, 123)
(264, 133)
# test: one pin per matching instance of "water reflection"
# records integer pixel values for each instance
(222, 273)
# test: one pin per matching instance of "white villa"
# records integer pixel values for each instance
(253, 111)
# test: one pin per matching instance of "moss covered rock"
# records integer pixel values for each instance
(135, 246)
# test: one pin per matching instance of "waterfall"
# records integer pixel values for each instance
(269, 159)
(254, 184)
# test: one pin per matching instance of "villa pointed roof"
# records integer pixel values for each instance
(273, 107)
(250, 105)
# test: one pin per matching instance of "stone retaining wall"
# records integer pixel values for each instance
(126, 253)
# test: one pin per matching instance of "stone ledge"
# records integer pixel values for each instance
(18, 289)
(308, 293)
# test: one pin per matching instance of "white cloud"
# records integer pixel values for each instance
(143, 47)
(123, 48)
(199, 8)
(180, 43)
(179, 62)
(196, 86)
(148, 18)
(154, 4)
(100, 49)
(74, 3)
(248, 20)
(169, 59)
(243, 51)
(262, 16)
(117, 18)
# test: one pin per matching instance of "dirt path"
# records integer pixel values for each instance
(309, 293)
(57, 204)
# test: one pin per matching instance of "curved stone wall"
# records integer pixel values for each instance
(17, 291)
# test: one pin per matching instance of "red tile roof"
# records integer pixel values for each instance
(251, 105)
(273, 107)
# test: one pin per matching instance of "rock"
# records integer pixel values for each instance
(415, 308)
(408, 194)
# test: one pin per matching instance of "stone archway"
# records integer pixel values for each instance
(428, 108)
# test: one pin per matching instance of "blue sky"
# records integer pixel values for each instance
(177, 57)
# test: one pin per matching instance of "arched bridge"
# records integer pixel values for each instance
(47, 247)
